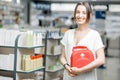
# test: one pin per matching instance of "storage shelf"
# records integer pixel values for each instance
(6, 70)
(25, 47)
(30, 47)
(56, 38)
(7, 47)
(16, 47)
(31, 71)
(26, 72)
(55, 70)
(53, 54)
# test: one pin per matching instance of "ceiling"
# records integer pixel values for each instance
(94, 2)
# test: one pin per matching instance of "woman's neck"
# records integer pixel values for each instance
(82, 27)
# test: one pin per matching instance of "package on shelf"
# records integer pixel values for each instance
(37, 61)
(13, 34)
(7, 37)
(26, 62)
(22, 39)
(39, 50)
(58, 64)
(33, 38)
(29, 38)
(56, 79)
(50, 67)
(55, 34)
(2, 36)
(4, 61)
(5, 78)
(38, 75)
(54, 67)
(7, 61)
(11, 61)
(37, 39)
(56, 49)
(31, 62)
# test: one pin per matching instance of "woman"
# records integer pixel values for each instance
(84, 36)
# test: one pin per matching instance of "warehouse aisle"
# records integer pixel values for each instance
(112, 70)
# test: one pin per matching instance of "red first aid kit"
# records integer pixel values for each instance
(81, 56)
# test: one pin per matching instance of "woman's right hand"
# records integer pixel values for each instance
(68, 68)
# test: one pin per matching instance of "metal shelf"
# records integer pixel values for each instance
(31, 71)
(25, 72)
(16, 47)
(53, 54)
(55, 70)
(24, 47)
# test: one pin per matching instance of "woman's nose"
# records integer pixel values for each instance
(80, 14)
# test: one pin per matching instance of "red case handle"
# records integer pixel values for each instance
(80, 47)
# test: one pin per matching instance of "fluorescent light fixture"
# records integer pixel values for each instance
(62, 7)
(100, 7)
(18, 1)
(7, 0)
(114, 8)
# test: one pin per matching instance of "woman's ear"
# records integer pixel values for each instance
(74, 19)
(91, 15)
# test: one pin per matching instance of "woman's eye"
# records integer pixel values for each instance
(84, 12)
(77, 12)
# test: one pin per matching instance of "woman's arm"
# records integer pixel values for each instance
(100, 60)
(63, 57)
(64, 61)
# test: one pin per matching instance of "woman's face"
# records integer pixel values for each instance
(81, 14)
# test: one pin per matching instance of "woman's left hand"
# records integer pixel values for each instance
(74, 70)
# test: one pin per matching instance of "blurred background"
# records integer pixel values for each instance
(58, 14)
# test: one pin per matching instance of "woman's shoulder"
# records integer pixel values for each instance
(70, 31)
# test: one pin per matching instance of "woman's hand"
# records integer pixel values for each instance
(74, 70)
(68, 68)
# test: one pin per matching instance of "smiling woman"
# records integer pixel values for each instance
(82, 36)
(83, 9)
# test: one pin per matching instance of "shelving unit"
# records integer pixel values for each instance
(16, 49)
(57, 69)
(54, 69)
(9, 12)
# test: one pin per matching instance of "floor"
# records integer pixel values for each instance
(112, 70)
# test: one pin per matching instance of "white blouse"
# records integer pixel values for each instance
(92, 41)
